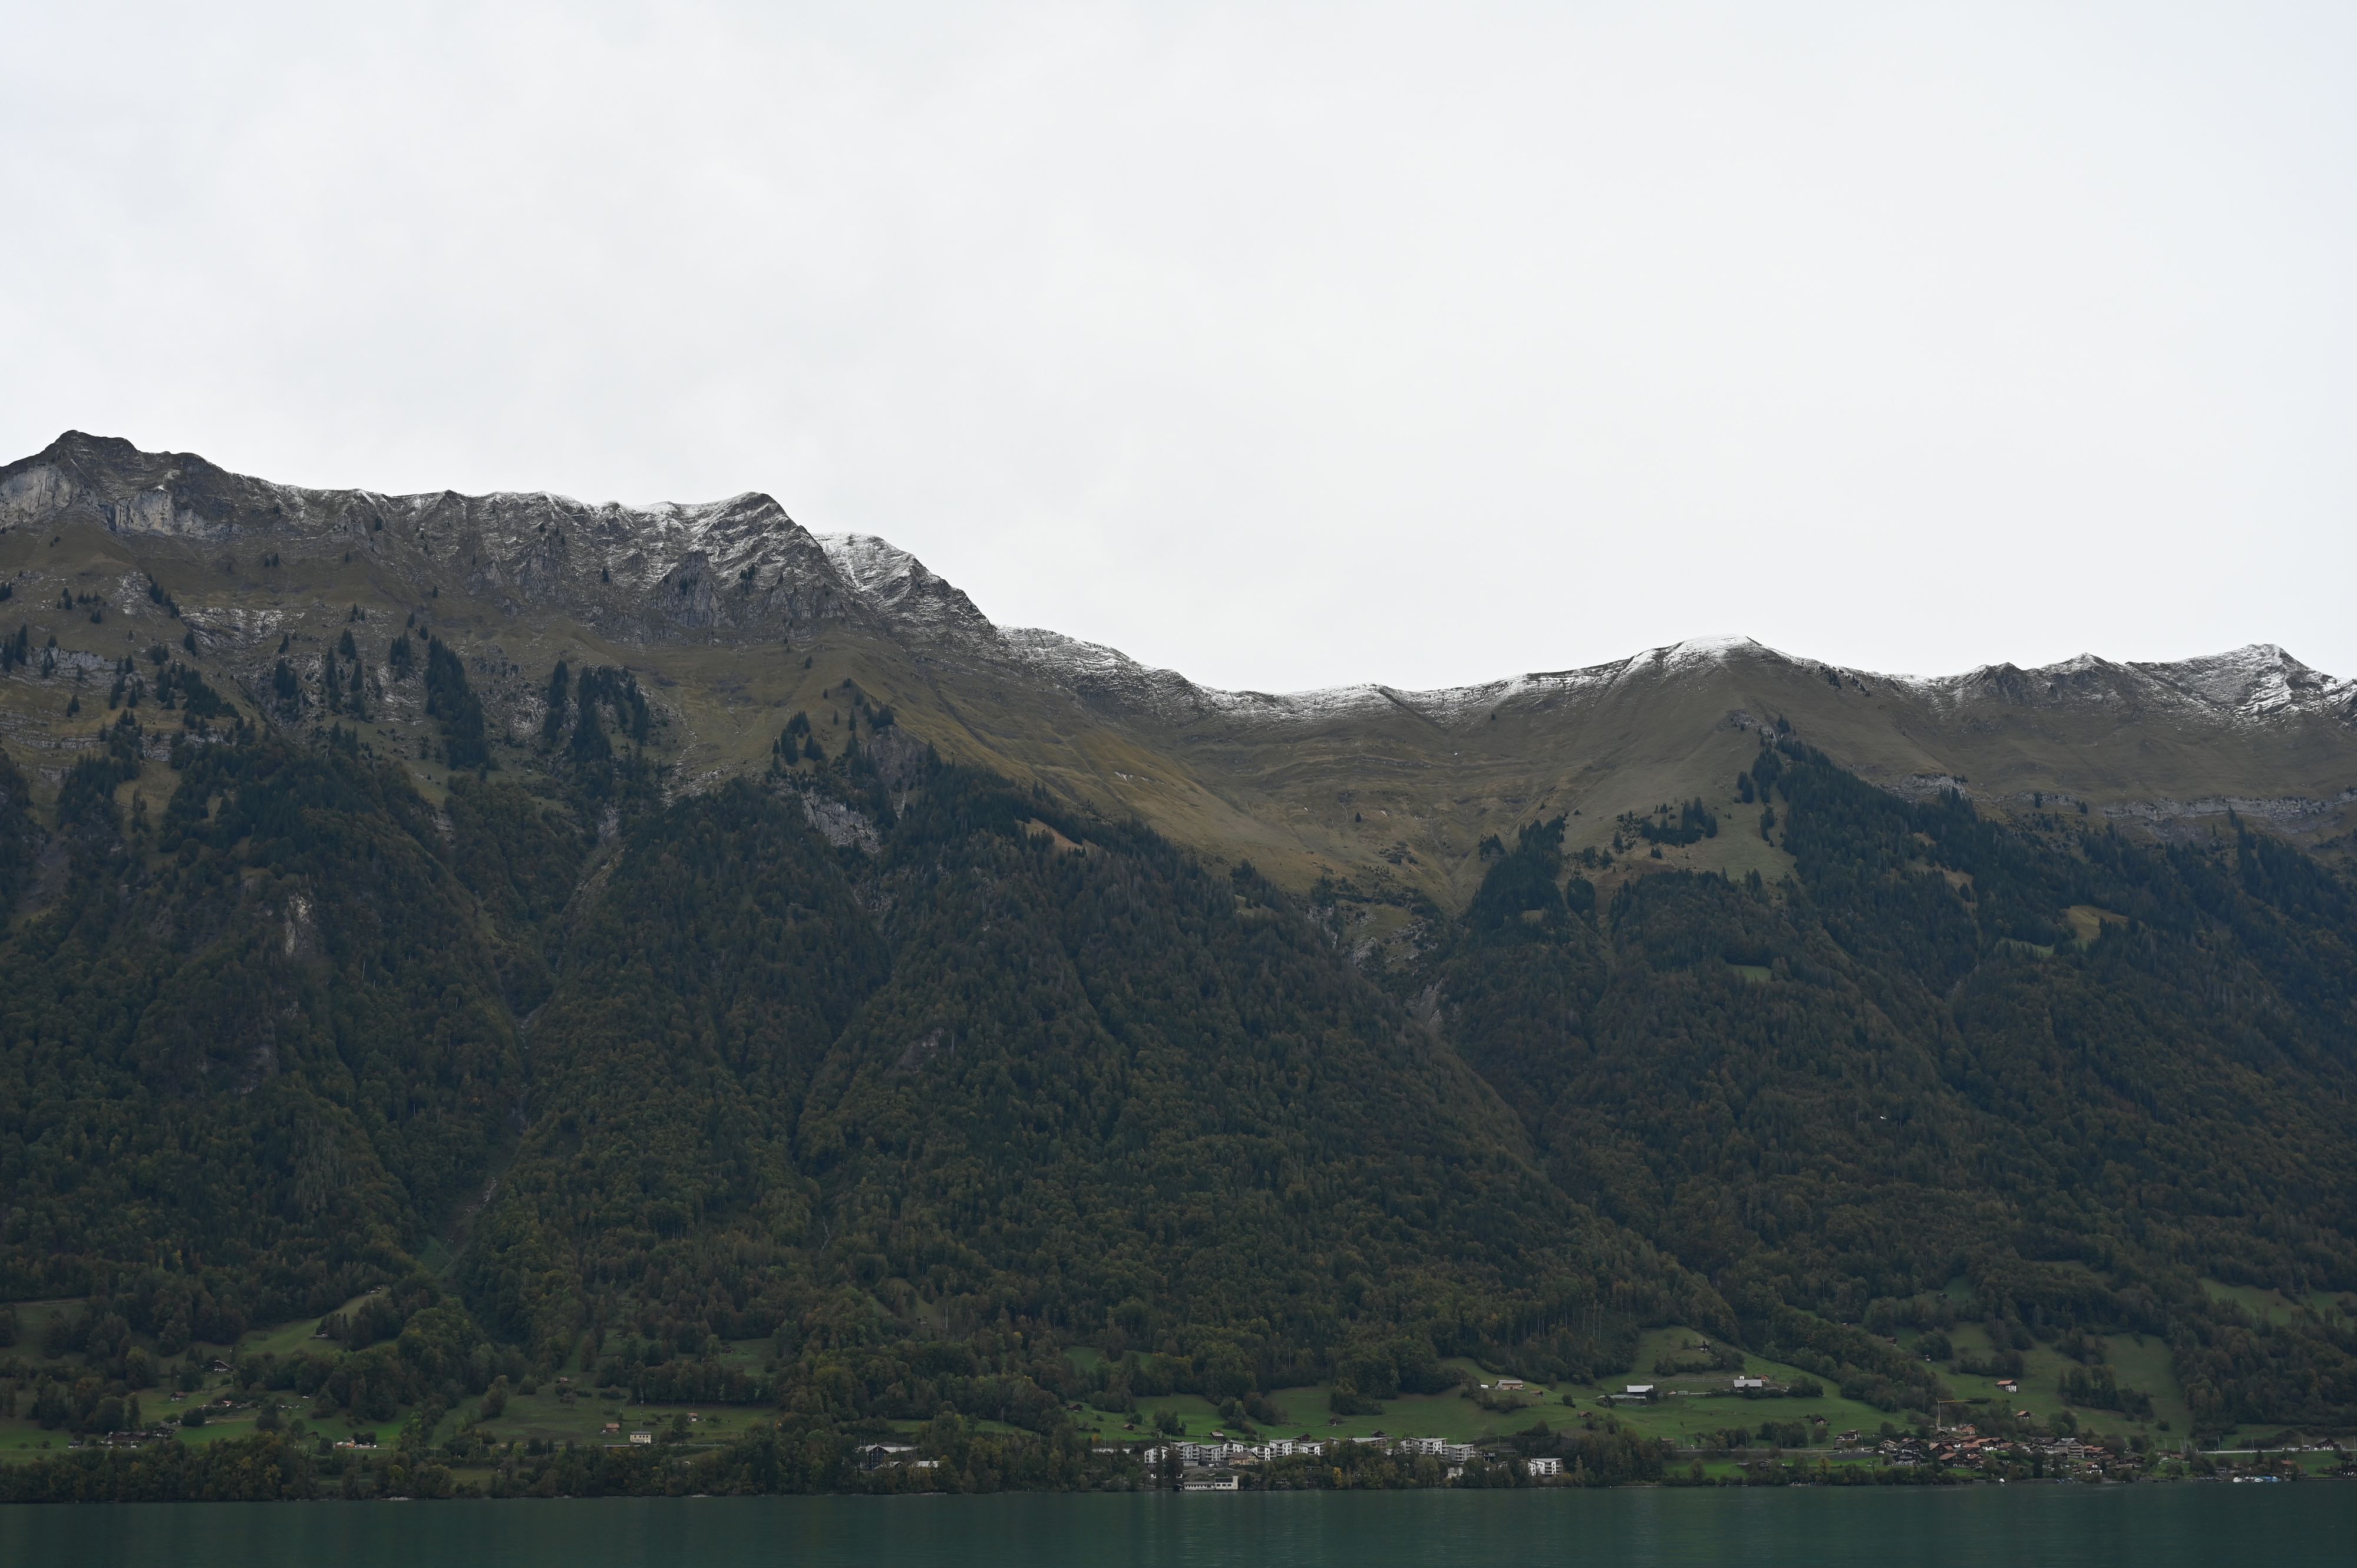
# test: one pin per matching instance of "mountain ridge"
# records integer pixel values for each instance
(2253, 680)
(1288, 779)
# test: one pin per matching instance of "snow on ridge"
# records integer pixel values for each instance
(909, 593)
(1452, 705)
(543, 545)
(2254, 683)
(2255, 680)
(1092, 669)
(1324, 702)
(866, 562)
(1706, 649)
(916, 598)
(1052, 650)
(2248, 683)
(1449, 705)
(623, 566)
(1173, 694)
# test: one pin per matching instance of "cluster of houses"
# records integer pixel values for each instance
(124, 1439)
(1231, 1457)
(1231, 1453)
(1962, 1446)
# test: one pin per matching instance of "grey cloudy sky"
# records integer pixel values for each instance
(1284, 344)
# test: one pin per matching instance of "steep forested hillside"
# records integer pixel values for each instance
(916, 1076)
(2075, 1073)
(534, 941)
(1015, 1066)
(254, 1043)
(716, 1079)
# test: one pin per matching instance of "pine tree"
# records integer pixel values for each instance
(559, 682)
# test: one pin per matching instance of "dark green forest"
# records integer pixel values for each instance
(923, 1079)
(1901, 1069)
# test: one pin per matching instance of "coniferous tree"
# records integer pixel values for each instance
(553, 724)
(449, 699)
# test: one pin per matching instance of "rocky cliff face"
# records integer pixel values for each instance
(740, 567)
(734, 616)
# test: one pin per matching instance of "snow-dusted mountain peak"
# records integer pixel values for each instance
(1704, 650)
(742, 568)
(909, 594)
(2255, 679)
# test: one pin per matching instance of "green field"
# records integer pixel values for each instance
(293, 1338)
(545, 1417)
(2140, 1363)
(1696, 1407)
(1308, 1410)
(2274, 1306)
(528, 1418)
(19, 1439)
(34, 1318)
(1688, 1418)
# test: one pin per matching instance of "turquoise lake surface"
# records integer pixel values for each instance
(2026, 1526)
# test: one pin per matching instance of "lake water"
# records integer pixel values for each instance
(2019, 1527)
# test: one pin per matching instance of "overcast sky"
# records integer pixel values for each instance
(1285, 345)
